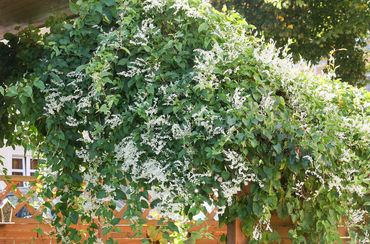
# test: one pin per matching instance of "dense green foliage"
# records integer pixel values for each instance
(175, 100)
(17, 58)
(315, 27)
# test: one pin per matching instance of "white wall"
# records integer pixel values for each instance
(8, 153)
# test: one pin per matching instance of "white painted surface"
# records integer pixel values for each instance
(8, 153)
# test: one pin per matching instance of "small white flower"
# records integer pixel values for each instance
(238, 100)
(179, 132)
(180, 5)
(86, 137)
(114, 120)
(147, 28)
(356, 216)
(157, 5)
(72, 121)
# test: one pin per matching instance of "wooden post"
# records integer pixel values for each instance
(235, 234)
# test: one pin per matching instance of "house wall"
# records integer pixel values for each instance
(8, 154)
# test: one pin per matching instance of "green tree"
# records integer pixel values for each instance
(315, 27)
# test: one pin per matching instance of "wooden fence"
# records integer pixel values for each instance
(23, 226)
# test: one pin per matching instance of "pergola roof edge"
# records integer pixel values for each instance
(15, 15)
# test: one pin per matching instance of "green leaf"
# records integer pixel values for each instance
(104, 109)
(203, 27)
(27, 91)
(253, 142)
(73, 7)
(172, 227)
(74, 217)
(106, 230)
(225, 175)
(277, 148)
(115, 221)
(39, 84)
(12, 91)
(39, 231)
(39, 218)
(109, 2)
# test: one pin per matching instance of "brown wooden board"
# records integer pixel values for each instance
(20, 13)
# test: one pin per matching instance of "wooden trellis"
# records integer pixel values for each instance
(23, 229)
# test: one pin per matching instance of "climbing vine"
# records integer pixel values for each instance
(172, 105)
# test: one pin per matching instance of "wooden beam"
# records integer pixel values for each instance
(235, 234)
(15, 14)
(17, 178)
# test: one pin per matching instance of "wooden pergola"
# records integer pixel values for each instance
(15, 14)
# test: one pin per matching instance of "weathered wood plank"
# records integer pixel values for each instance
(15, 13)
(17, 178)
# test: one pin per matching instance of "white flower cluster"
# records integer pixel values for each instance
(153, 170)
(48, 172)
(154, 136)
(205, 65)
(71, 121)
(83, 154)
(179, 132)
(53, 105)
(263, 225)
(84, 102)
(366, 239)
(88, 200)
(206, 119)
(147, 28)
(267, 103)
(180, 5)
(326, 92)
(141, 67)
(241, 175)
(127, 151)
(54, 99)
(157, 5)
(207, 61)
(237, 99)
(169, 92)
(298, 189)
(336, 182)
(113, 120)
(356, 216)
(86, 137)
(149, 170)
